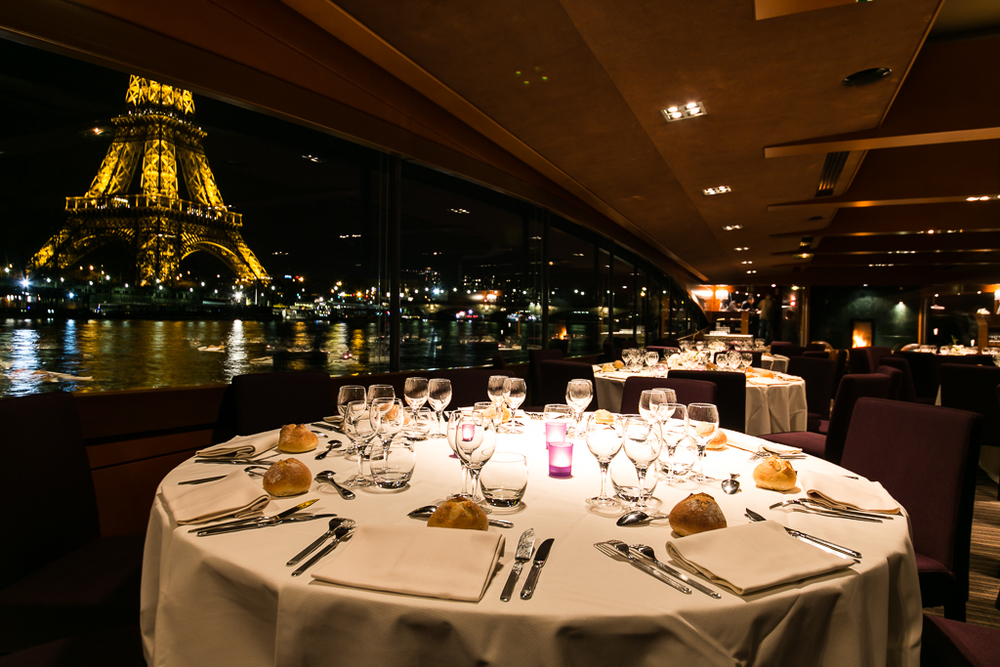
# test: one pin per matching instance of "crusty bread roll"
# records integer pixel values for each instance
(696, 514)
(459, 513)
(775, 473)
(602, 416)
(719, 441)
(618, 363)
(296, 438)
(288, 477)
(505, 414)
(607, 368)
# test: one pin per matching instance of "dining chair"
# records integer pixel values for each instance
(556, 373)
(818, 375)
(816, 354)
(468, 385)
(923, 369)
(973, 388)
(838, 374)
(120, 646)
(730, 395)
(498, 360)
(948, 643)
(535, 359)
(786, 348)
(688, 391)
(895, 381)
(779, 363)
(266, 401)
(926, 457)
(907, 387)
(829, 445)
(58, 576)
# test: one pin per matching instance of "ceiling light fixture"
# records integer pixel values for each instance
(741, 249)
(459, 210)
(982, 198)
(730, 228)
(752, 271)
(719, 190)
(689, 110)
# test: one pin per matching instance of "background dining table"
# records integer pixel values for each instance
(230, 599)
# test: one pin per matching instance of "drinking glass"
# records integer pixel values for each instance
(494, 389)
(652, 358)
(438, 397)
(380, 391)
(604, 441)
(454, 419)
(579, 394)
(418, 422)
(348, 393)
(515, 390)
(475, 446)
(673, 427)
(703, 420)
(357, 427)
(556, 412)
(415, 392)
(504, 479)
(642, 447)
(625, 481)
(650, 398)
(391, 458)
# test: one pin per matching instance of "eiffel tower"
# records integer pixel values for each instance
(160, 228)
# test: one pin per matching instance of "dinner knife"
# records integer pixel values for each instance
(525, 547)
(255, 519)
(324, 425)
(342, 531)
(259, 524)
(540, 557)
(674, 572)
(806, 537)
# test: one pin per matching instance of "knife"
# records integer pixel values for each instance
(525, 546)
(344, 530)
(540, 556)
(672, 571)
(261, 524)
(323, 426)
(257, 519)
(805, 537)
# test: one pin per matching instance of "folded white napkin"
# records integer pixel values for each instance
(780, 449)
(842, 492)
(761, 381)
(242, 446)
(751, 557)
(234, 496)
(445, 563)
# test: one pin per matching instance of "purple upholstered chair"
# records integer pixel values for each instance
(923, 369)
(865, 359)
(555, 374)
(266, 401)
(58, 579)
(895, 381)
(926, 457)
(973, 388)
(688, 391)
(785, 348)
(535, 359)
(730, 395)
(838, 374)
(947, 643)
(907, 389)
(831, 445)
(816, 354)
(818, 375)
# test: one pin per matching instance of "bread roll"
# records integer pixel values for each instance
(459, 513)
(602, 416)
(719, 441)
(696, 514)
(775, 473)
(506, 414)
(296, 438)
(618, 363)
(288, 477)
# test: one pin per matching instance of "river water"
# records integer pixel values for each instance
(99, 355)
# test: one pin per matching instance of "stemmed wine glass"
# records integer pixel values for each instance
(652, 358)
(515, 390)
(475, 443)
(415, 392)
(703, 419)
(673, 419)
(578, 395)
(650, 398)
(604, 441)
(642, 447)
(494, 389)
(438, 397)
(358, 427)
(380, 391)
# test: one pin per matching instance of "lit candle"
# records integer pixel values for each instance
(560, 459)
(555, 432)
(468, 432)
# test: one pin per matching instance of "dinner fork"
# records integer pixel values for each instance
(624, 555)
(810, 507)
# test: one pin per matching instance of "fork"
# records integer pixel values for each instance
(624, 555)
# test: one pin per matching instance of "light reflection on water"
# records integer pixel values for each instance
(130, 354)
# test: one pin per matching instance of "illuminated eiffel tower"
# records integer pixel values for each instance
(161, 228)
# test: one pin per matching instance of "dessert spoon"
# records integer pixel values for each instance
(638, 517)
(427, 510)
(327, 476)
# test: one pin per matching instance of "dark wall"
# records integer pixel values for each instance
(832, 310)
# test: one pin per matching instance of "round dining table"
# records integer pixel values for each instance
(231, 599)
(773, 405)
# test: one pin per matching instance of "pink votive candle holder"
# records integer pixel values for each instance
(560, 459)
(555, 432)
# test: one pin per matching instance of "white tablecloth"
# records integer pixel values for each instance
(230, 599)
(772, 406)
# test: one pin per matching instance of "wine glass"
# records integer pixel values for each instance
(515, 390)
(357, 427)
(652, 358)
(456, 419)
(578, 395)
(348, 393)
(380, 391)
(650, 398)
(604, 441)
(415, 392)
(673, 420)
(494, 389)
(438, 397)
(703, 419)
(475, 446)
(642, 447)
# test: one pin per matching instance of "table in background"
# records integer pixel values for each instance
(229, 599)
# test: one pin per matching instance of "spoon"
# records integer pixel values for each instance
(638, 517)
(334, 523)
(730, 485)
(427, 510)
(327, 476)
(649, 553)
(334, 444)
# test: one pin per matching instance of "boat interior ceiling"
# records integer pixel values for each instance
(830, 141)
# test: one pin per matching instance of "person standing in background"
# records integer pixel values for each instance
(766, 319)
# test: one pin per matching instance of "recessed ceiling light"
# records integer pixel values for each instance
(718, 190)
(459, 210)
(747, 261)
(683, 111)
(741, 249)
(752, 271)
(730, 228)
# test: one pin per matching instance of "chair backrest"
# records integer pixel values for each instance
(468, 385)
(895, 381)
(730, 395)
(535, 359)
(973, 388)
(610, 353)
(556, 373)
(786, 348)
(852, 387)
(688, 391)
(266, 401)
(841, 361)
(926, 457)
(818, 374)
(756, 357)
(923, 368)
(779, 363)
(816, 354)
(46, 426)
(907, 390)
(498, 360)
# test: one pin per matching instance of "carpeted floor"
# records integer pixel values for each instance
(985, 561)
